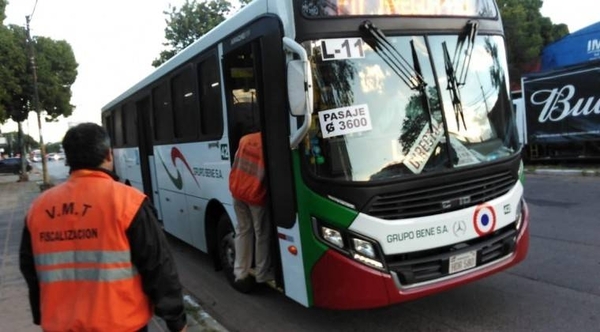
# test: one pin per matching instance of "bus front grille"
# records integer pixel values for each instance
(440, 199)
(429, 265)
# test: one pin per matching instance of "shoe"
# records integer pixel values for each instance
(269, 276)
(244, 285)
(271, 283)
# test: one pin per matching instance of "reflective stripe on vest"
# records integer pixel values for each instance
(249, 166)
(246, 179)
(79, 265)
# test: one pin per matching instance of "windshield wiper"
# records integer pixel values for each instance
(411, 76)
(461, 62)
(453, 88)
(464, 53)
(422, 86)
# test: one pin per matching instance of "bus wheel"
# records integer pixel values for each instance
(226, 247)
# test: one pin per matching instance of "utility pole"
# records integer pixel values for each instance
(36, 104)
(23, 177)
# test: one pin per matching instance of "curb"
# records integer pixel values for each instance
(198, 320)
(550, 171)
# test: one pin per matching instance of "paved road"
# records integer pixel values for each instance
(556, 288)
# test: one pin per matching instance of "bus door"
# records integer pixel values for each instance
(253, 70)
(243, 93)
(145, 148)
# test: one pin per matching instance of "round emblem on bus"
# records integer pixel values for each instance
(484, 219)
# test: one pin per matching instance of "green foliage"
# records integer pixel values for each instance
(53, 147)
(12, 143)
(13, 74)
(188, 23)
(527, 33)
(3, 4)
(56, 71)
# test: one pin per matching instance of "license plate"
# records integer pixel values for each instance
(462, 262)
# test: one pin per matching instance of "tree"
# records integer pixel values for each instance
(3, 4)
(55, 69)
(527, 33)
(13, 75)
(12, 139)
(53, 147)
(188, 23)
(56, 72)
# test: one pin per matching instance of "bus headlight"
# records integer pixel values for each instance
(521, 173)
(519, 215)
(365, 252)
(360, 249)
(363, 247)
(332, 236)
(368, 261)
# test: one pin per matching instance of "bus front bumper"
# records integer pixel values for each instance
(342, 283)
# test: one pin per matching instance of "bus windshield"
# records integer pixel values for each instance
(396, 106)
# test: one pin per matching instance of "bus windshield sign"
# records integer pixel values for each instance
(319, 8)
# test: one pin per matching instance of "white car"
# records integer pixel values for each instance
(55, 156)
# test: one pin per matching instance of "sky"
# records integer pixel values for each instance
(115, 42)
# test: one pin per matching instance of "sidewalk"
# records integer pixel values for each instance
(556, 170)
(15, 315)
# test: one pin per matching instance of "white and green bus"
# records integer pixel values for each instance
(392, 156)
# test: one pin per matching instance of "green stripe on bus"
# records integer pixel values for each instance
(311, 204)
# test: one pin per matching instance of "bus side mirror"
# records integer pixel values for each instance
(299, 90)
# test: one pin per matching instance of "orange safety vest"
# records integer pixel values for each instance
(246, 180)
(82, 255)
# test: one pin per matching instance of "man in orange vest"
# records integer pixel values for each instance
(92, 252)
(247, 186)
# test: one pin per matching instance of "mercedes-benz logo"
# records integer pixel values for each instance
(459, 228)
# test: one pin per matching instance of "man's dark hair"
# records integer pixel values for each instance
(86, 145)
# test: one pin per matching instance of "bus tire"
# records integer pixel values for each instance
(226, 247)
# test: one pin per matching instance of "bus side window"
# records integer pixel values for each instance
(185, 101)
(130, 125)
(107, 121)
(211, 111)
(162, 112)
(118, 127)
